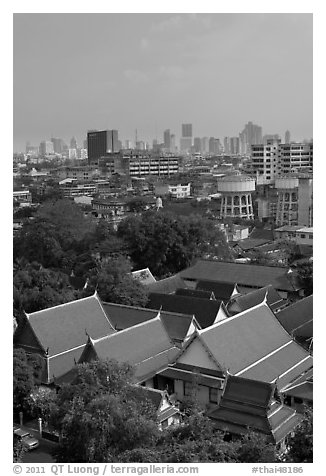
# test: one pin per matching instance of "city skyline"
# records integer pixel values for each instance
(215, 71)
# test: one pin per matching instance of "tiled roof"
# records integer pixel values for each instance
(147, 346)
(242, 273)
(222, 291)
(303, 390)
(204, 310)
(168, 285)
(248, 404)
(297, 318)
(144, 276)
(252, 243)
(246, 301)
(123, 317)
(254, 345)
(64, 327)
(198, 293)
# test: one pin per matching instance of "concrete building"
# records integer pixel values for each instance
(234, 145)
(197, 144)
(287, 200)
(186, 138)
(295, 156)
(305, 200)
(46, 148)
(236, 193)
(167, 140)
(287, 138)
(186, 130)
(300, 235)
(264, 162)
(100, 143)
(175, 190)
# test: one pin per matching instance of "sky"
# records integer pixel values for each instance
(151, 72)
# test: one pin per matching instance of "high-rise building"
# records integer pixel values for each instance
(57, 145)
(264, 161)
(100, 143)
(205, 145)
(226, 143)
(271, 137)
(186, 130)
(172, 143)
(167, 139)
(251, 134)
(46, 147)
(295, 157)
(287, 137)
(73, 143)
(197, 145)
(234, 145)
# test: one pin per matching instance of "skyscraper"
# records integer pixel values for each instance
(46, 147)
(197, 144)
(252, 134)
(100, 143)
(167, 139)
(186, 130)
(287, 137)
(73, 143)
(186, 139)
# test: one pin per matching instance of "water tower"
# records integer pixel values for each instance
(236, 193)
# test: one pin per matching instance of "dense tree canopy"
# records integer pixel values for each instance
(166, 243)
(37, 288)
(114, 283)
(300, 444)
(305, 273)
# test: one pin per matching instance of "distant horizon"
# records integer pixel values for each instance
(152, 72)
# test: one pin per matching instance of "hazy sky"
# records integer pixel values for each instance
(74, 72)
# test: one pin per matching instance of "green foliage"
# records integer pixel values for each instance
(300, 445)
(23, 380)
(19, 450)
(37, 288)
(305, 274)
(100, 415)
(114, 283)
(166, 243)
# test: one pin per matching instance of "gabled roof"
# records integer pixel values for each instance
(253, 344)
(198, 293)
(144, 276)
(251, 243)
(147, 346)
(221, 290)
(248, 404)
(123, 317)
(246, 301)
(297, 318)
(65, 327)
(168, 285)
(204, 310)
(242, 273)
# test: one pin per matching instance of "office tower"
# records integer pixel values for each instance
(72, 154)
(167, 139)
(128, 144)
(234, 145)
(226, 143)
(186, 130)
(57, 145)
(100, 143)
(251, 134)
(205, 145)
(73, 143)
(197, 144)
(172, 143)
(287, 137)
(271, 137)
(46, 147)
(85, 143)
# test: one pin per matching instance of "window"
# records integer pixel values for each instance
(310, 237)
(302, 235)
(187, 389)
(213, 394)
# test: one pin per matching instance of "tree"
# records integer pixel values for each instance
(300, 444)
(99, 415)
(167, 243)
(19, 450)
(114, 283)
(305, 274)
(23, 380)
(37, 288)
